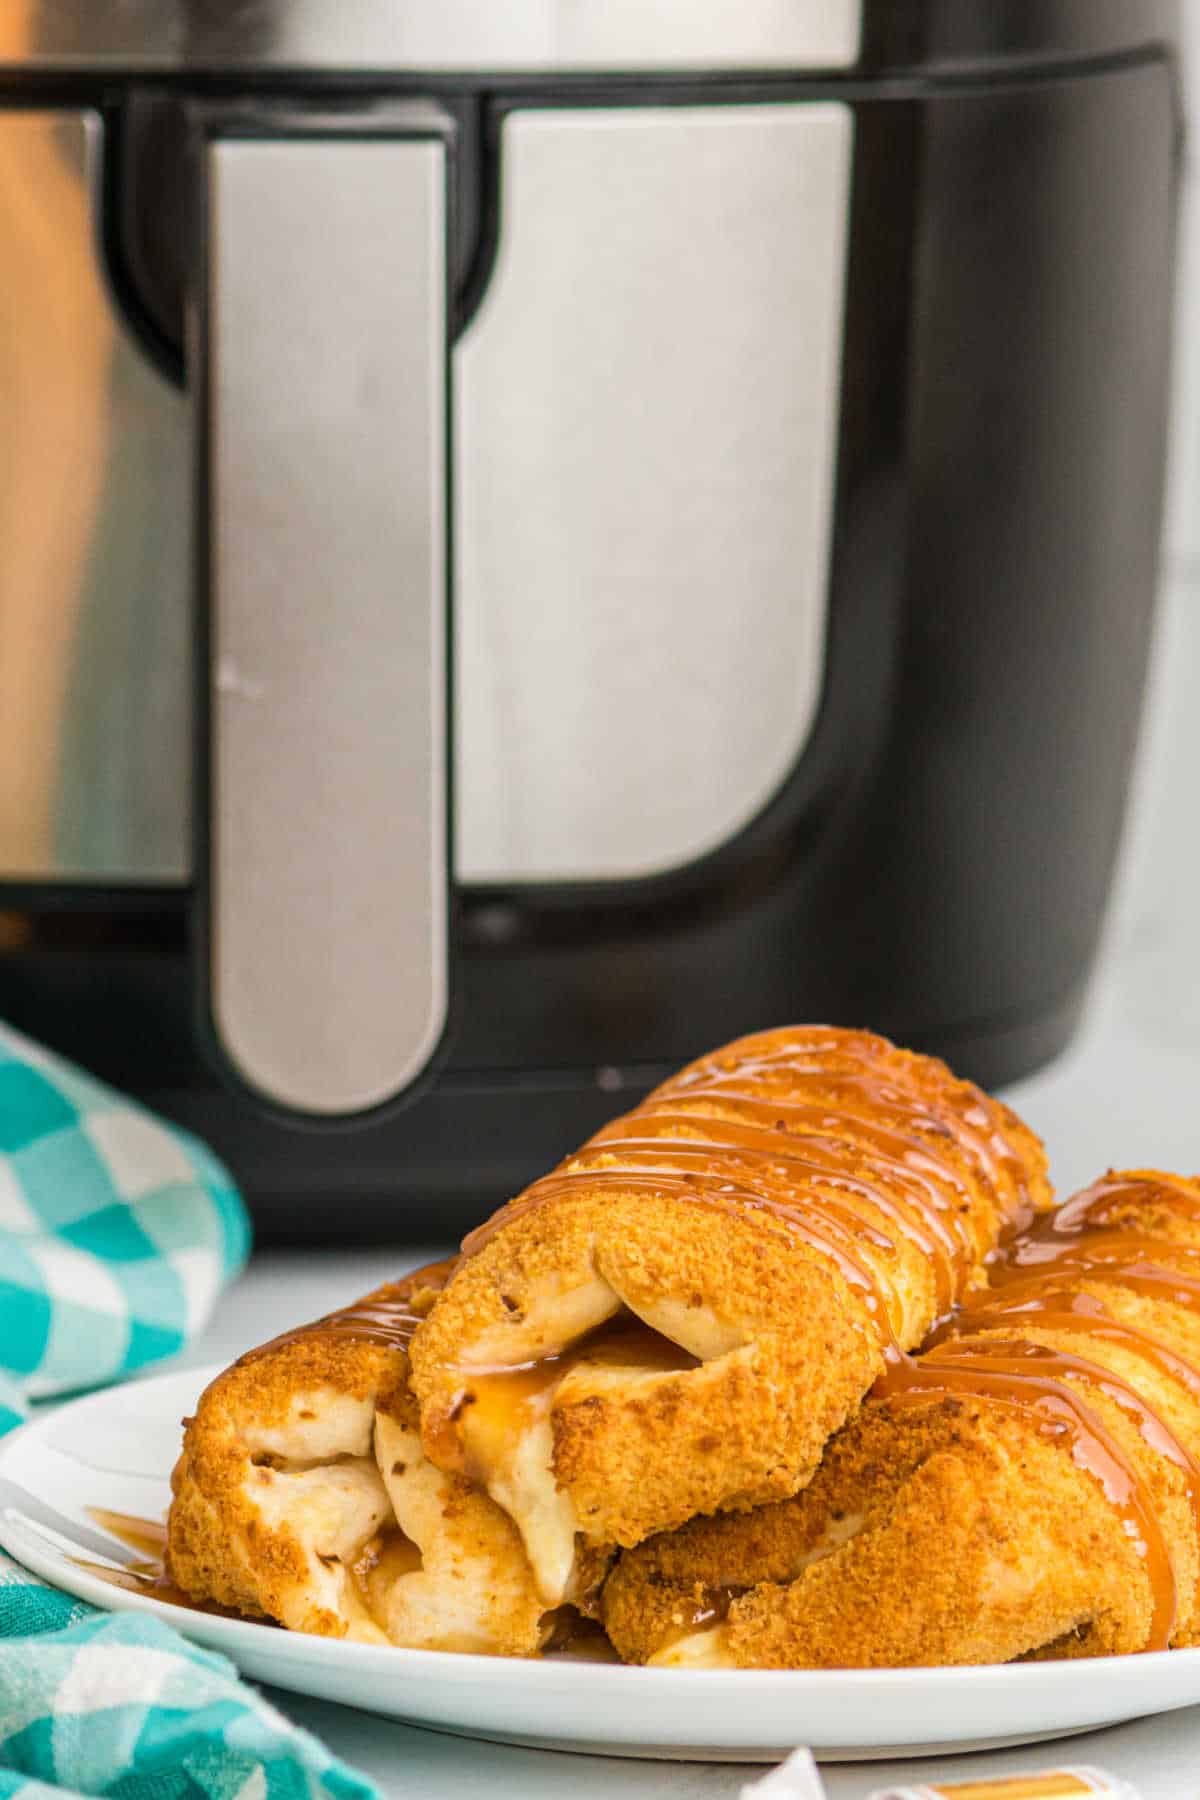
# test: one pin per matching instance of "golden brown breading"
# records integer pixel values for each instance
(963, 1526)
(778, 1210)
(303, 1494)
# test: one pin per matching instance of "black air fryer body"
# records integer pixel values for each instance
(933, 856)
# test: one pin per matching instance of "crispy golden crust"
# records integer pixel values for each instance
(993, 1544)
(680, 1444)
(954, 1530)
(973, 1540)
(219, 1544)
(783, 1321)
(299, 1464)
(778, 1210)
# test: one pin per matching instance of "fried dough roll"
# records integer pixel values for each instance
(303, 1494)
(1026, 1488)
(778, 1215)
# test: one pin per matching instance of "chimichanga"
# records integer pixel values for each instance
(1029, 1486)
(678, 1318)
(303, 1495)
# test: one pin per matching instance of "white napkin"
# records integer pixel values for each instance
(795, 1779)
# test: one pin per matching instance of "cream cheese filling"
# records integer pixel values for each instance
(707, 1649)
(506, 1421)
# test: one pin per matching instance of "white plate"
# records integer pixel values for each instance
(115, 1450)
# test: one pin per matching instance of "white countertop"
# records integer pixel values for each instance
(1127, 1093)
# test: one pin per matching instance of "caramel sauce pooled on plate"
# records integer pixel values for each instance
(147, 1575)
(384, 1557)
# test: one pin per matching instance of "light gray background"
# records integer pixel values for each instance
(1129, 1090)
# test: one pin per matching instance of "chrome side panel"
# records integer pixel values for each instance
(646, 437)
(95, 568)
(646, 441)
(326, 457)
(434, 35)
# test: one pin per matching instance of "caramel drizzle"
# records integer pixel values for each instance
(844, 1136)
(820, 1203)
(828, 1109)
(387, 1317)
(1035, 1284)
(822, 1232)
(1096, 1205)
(1009, 1382)
(1067, 1311)
(866, 1137)
(1131, 1266)
(507, 1398)
(891, 1155)
(923, 1214)
(836, 1060)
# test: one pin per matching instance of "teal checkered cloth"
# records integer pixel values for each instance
(117, 1232)
(119, 1704)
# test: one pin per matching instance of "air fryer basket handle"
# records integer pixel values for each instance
(318, 359)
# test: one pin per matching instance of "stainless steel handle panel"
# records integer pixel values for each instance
(384, 35)
(326, 481)
(95, 701)
(647, 426)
